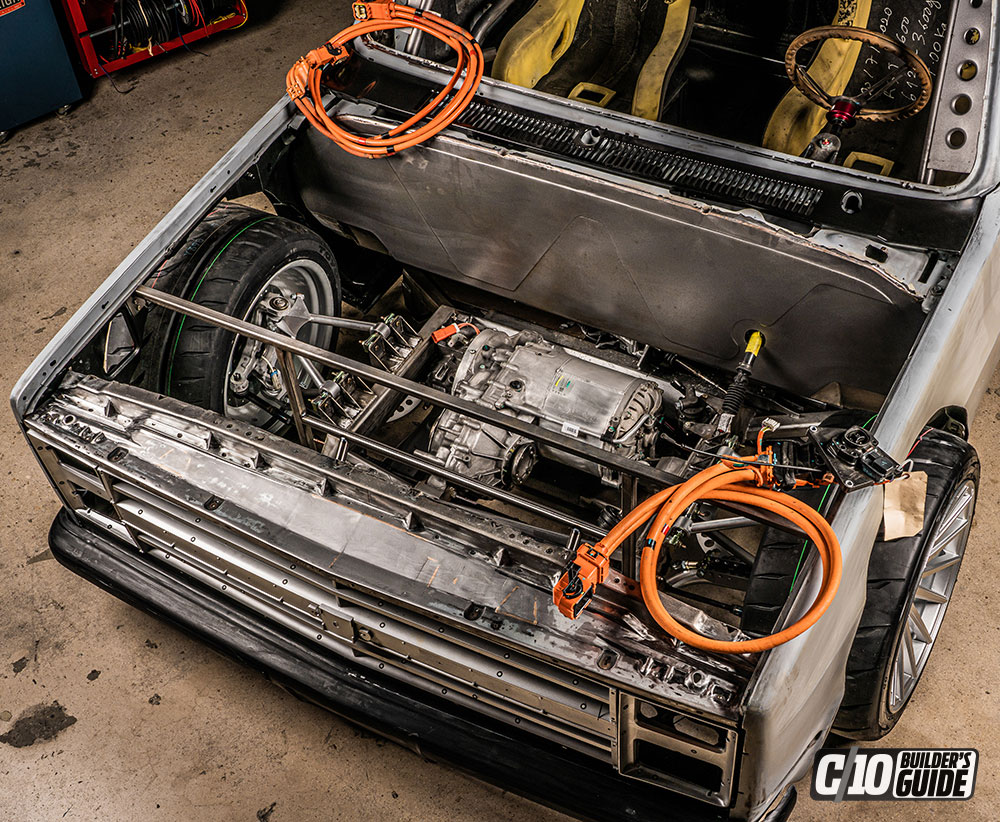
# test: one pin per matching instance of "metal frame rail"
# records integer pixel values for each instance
(305, 423)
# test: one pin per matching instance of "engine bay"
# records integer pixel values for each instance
(463, 491)
(553, 429)
(559, 418)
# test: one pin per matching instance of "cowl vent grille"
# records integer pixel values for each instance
(683, 174)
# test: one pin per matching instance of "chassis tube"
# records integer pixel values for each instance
(416, 389)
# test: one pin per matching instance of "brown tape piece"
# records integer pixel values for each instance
(903, 506)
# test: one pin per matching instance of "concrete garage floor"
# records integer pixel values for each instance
(158, 727)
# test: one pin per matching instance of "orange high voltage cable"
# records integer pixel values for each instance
(304, 79)
(731, 480)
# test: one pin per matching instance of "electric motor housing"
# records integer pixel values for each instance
(534, 380)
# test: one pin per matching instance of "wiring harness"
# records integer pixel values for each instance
(304, 79)
(732, 481)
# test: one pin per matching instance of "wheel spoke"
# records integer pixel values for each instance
(910, 651)
(808, 80)
(918, 623)
(898, 677)
(958, 508)
(930, 570)
(927, 595)
(885, 84)
(945, 537)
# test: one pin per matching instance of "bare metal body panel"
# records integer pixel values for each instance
(636, 261)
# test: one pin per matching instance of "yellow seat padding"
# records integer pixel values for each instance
(536, 42)
(659, 65)
(797, 120)
(592, 93)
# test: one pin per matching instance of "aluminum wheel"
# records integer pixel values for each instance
(930, 599)
(265, 403)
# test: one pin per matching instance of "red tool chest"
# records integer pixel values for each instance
(98, 30)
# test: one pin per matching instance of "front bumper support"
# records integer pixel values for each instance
(436, 729)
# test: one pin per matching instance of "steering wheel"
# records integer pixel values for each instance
(861, 110)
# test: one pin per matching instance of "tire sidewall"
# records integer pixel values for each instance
(197, 355)
(968, 468)
(178, 275)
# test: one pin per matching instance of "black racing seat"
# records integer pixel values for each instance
(611, 54)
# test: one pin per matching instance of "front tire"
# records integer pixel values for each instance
(879, 681)
(910, 583)
(244, 255)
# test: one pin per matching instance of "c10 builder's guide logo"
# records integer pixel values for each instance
(7, 6)
(894, 773)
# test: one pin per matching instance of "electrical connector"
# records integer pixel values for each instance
(451, 331)
(576, 586)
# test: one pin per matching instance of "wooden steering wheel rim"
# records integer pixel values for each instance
(800, 79)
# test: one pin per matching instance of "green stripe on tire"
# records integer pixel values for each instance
(180, 326)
